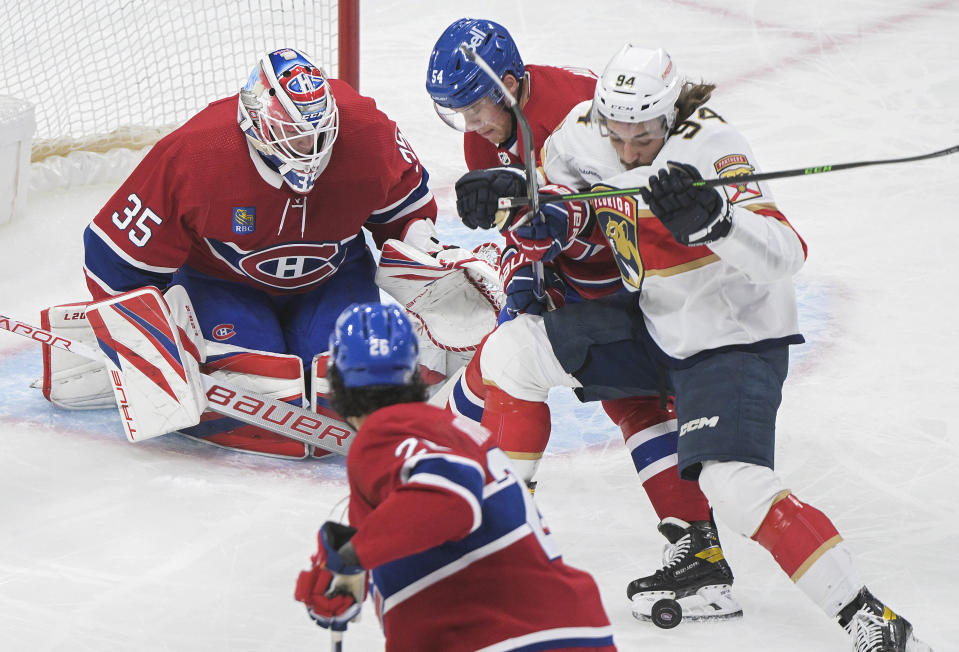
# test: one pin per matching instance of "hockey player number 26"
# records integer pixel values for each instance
(140, 233)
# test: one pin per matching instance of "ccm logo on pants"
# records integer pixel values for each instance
(696, 424)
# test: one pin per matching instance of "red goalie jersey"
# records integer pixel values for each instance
(459, 556)
(204, 199)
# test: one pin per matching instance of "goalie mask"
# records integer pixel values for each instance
(457, 85)
(289, 116)
(639, 85)
(374, 344)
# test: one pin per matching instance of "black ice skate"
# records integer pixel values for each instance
(695, 575)
(875, 628)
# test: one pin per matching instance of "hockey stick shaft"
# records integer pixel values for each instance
(336, 641)
(513, 202)
(284, 419)
(529, 155)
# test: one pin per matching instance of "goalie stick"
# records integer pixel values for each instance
(516, 202)
(529, 155)
(284, 419)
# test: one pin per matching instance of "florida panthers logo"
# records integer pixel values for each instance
(292, 266)
(617, 216)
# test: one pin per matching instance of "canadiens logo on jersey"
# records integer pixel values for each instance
(289, 266)
(617, 216)
(223, 332)
(731, 166)
(244, 219)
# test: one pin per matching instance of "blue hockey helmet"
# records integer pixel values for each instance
(289, 116)
(453, 81)
(374, 344)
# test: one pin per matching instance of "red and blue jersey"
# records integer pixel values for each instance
(203, 198)
(588, 268)
(459, 554)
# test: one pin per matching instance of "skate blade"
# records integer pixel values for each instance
(708, 604)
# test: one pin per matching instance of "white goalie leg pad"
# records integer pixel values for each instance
(181, 309)
(75, 382)
(740, 493)
(276, 376)
(69, 380)
(455, 296)
(519, 360)
(153, 367)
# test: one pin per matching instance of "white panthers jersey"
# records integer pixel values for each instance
(734, 292)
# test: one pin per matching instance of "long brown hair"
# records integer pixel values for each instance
(691, 97)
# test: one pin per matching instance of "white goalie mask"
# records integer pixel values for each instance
(638, 85)
(289, 116)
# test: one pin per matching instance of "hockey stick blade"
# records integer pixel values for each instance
(285, 419)
(514, 202)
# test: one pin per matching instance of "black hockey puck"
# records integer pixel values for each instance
(666, 613)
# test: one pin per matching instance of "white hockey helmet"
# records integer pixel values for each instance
(638, 85)
(288, 114)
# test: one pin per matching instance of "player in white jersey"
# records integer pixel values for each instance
(711, 323)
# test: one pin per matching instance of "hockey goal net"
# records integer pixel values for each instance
(103, 74)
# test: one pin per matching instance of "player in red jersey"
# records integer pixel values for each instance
(257, 206)
(441, 531)
(466, 98)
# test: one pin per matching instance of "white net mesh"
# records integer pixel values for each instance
(106, 73)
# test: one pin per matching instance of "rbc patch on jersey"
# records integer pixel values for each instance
(244, 219)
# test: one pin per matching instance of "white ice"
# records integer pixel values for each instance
(172, 545)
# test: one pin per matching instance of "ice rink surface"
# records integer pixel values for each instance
(172, 545)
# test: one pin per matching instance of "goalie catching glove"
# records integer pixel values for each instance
(554, 227)
(695, 215)
(519, 280)
(334, 588)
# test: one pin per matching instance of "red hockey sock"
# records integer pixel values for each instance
(521, 428)
(653, 448)
(796, 534)
(672, 496)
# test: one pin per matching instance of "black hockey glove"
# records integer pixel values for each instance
(477, 193)
(695, 215)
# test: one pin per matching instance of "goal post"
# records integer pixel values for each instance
(103, 74)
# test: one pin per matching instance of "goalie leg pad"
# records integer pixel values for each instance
(274, 375)
(69, 380)
(153, 366)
